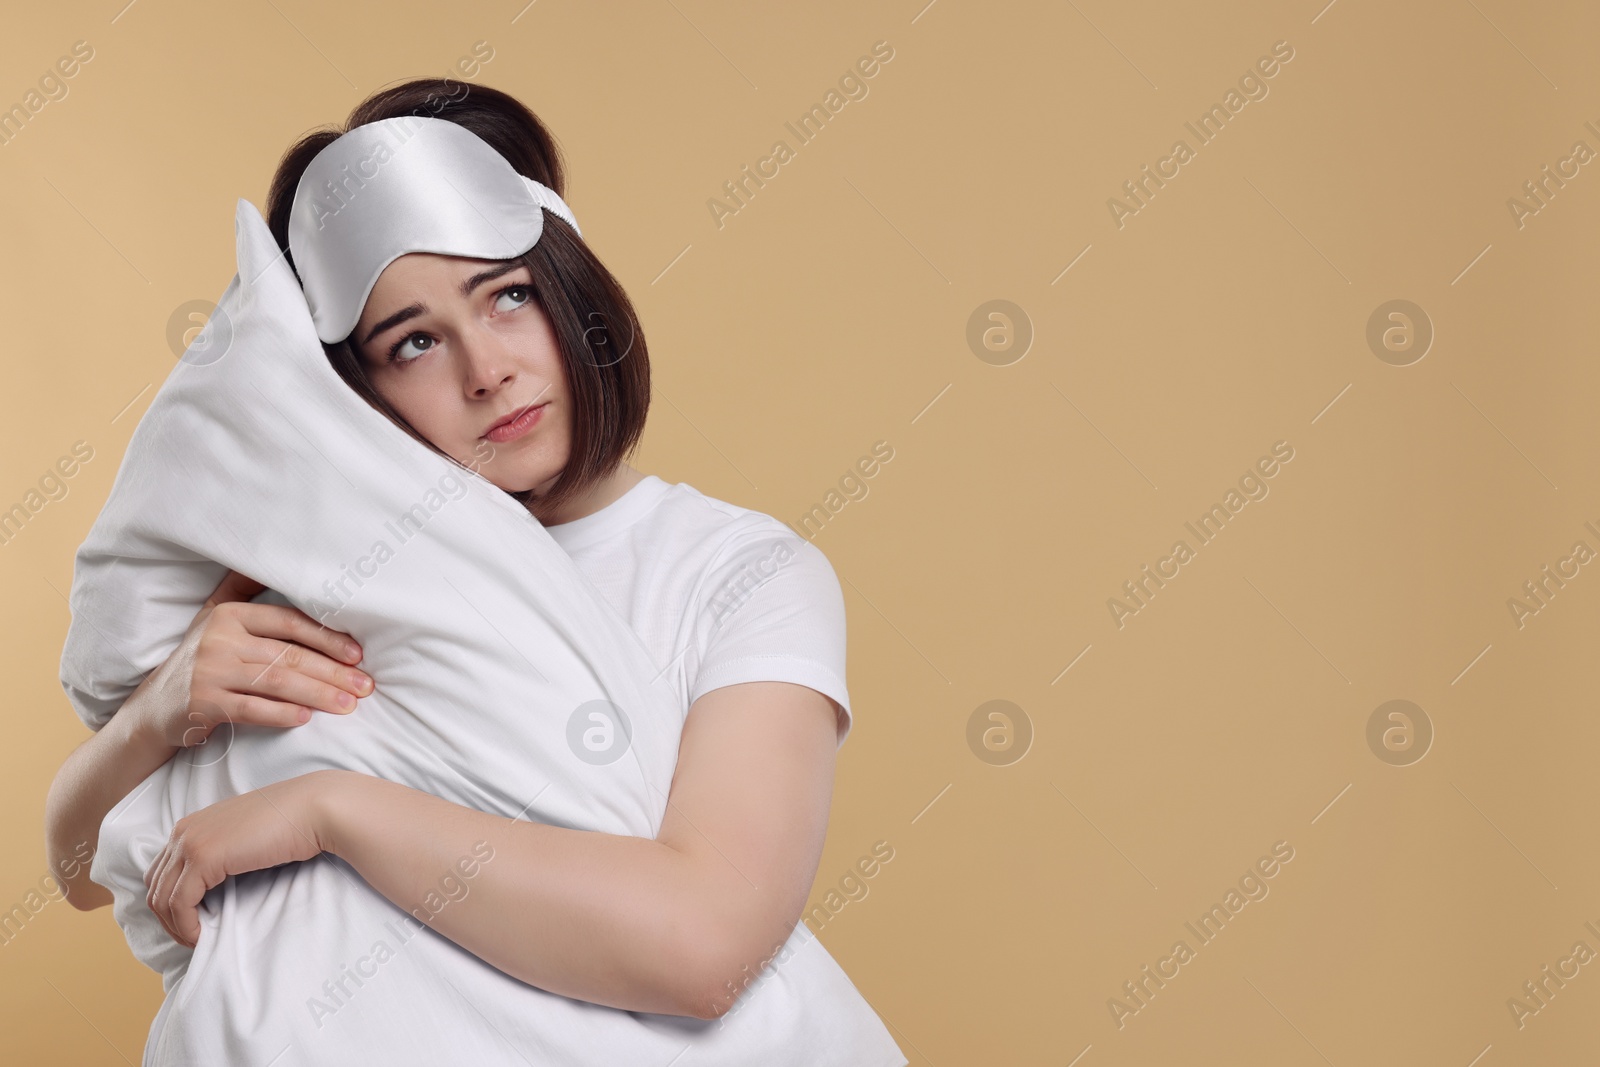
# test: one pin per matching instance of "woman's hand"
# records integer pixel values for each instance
(238, 662)
(250, 832)
(263, 664)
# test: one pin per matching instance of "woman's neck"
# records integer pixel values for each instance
(603, 492)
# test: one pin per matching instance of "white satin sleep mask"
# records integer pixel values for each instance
(402, 185)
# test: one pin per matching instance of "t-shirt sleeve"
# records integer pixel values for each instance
(771, 610)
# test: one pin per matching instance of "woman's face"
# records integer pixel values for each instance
(460, 346)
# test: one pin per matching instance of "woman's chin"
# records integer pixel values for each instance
(538, 484)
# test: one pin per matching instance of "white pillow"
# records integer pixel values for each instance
(488, 646)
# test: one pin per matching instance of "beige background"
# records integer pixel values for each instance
(832, 312)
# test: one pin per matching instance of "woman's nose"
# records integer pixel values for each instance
(488, 364)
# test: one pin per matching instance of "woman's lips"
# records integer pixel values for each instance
(510, 431)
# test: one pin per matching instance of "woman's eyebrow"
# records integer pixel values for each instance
(411, 311)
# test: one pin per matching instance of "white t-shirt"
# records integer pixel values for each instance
(721, 594)
(718, 593)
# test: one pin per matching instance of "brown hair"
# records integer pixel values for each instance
(604, 358)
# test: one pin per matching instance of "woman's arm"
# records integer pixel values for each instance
(641, 925)
(243, 663)
(94, 778)
(669, 925)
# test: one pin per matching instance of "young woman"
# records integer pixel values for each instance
(532, 371)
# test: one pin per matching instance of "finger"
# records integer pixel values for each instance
(292, 624)
(260, 711)
(187, 890)
(307, 661)
(242, 709)
(235, 586)
(155, 897)
(280, 682)
(155, 865)
(153, 873)
(163, 902)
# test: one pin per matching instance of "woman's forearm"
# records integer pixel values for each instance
(92, 780)
(615, 920)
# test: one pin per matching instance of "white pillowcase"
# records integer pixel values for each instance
(488, 646)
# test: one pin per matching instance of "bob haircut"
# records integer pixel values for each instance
(603, 353)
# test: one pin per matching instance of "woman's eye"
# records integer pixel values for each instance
(525, 290)
(397, 354)
(400, 354)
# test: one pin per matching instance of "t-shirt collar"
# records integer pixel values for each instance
(611, 519)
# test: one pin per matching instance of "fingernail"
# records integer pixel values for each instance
(305, 714)
(352, 649)
(363, 683)
(346, 700)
